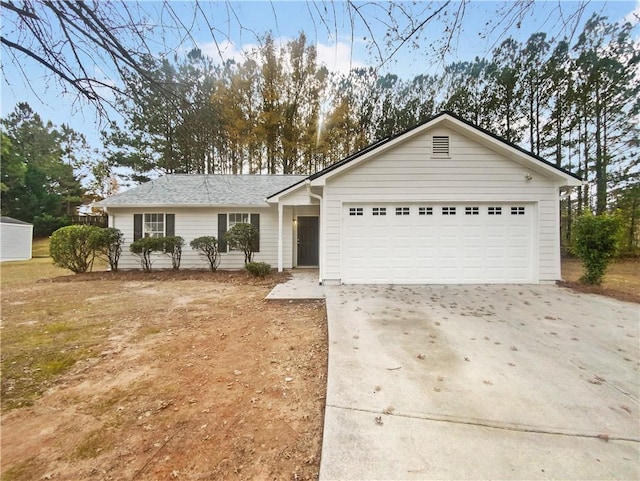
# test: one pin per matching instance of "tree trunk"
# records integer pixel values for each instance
(601, 167)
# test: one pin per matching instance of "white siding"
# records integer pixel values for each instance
(300, 196)
(473, 173)
(15, 241)
(197, 222)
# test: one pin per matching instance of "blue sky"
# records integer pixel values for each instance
(339, 45)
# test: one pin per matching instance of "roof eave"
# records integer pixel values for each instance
(274, 198)
(184, 206)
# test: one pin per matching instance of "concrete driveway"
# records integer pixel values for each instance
(481, 382)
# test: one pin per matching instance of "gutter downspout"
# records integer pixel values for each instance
(321, 233)
(280, 240)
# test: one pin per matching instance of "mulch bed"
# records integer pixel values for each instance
(229, 277)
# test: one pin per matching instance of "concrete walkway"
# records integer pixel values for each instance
(303, 284)
(480, 382)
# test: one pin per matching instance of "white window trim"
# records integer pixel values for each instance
(243, 214)
(230, 225)
(146, 232)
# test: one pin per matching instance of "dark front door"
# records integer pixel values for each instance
(307, 241)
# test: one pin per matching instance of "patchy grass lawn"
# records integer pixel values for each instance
(164, 376)
(40, 267)
(40, 247)
(20, 272)
(622, 280)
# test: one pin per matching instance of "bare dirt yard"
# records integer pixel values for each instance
(170, 376)
(133, 376)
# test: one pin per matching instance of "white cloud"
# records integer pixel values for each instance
(225, 50)
(633, 17)
(338, 57)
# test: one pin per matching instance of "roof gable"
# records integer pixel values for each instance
(466, 128)
(199, 190)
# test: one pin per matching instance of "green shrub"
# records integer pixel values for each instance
(595, 243)
(242, 237)
(207, 246)
(74, 247)
(258, 269)
(145, 246)
(110, 245)
(172, 246)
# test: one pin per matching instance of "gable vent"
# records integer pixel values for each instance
(441, 146)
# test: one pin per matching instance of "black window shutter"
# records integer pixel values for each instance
(222, 230)
(255, 221)
(170, 225)
(137, 226)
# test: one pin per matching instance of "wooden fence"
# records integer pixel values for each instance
(97, 220)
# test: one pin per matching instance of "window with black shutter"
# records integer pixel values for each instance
(227, 221)
(137, 226)
(153, 224)
(222, 230)
(255, 221)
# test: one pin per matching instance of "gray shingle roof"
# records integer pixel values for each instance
(11, 220)
(203, 190)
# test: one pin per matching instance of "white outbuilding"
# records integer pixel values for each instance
(15, 239)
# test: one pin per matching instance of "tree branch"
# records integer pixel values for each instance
(20, 11)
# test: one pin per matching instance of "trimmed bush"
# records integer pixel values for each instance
(258, 269)
(596, 239)
(170, 246)
(74, 247)
(144, 247)
(243, 237)
(207, 246)
(110, 245)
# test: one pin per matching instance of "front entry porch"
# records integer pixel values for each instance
(303, 284)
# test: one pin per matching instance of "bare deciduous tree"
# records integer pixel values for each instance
(82, 43)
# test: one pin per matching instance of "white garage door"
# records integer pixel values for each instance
(438, 243)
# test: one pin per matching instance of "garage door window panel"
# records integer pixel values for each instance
(448, 211)
(379, 211)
